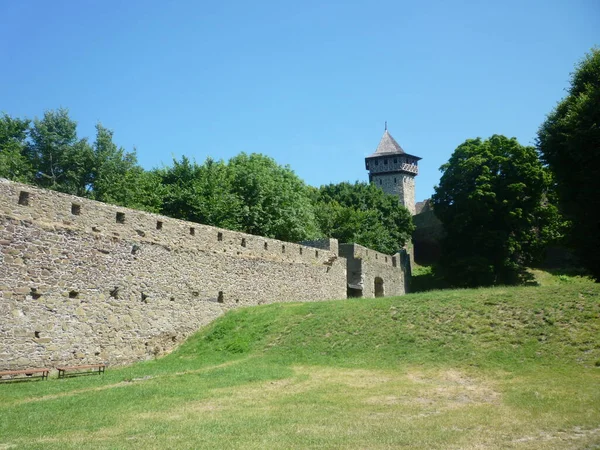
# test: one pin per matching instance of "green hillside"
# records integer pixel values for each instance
(485, 368)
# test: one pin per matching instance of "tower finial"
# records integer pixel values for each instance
(386, 125)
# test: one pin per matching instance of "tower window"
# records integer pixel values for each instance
(395, 181)
(395, 160)
(385, 162)
(367, 166)
(376, 162)
(380, 182)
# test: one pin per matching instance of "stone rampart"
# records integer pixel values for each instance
(371, 274)
(84, 282)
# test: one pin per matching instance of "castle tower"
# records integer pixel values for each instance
(393, 170)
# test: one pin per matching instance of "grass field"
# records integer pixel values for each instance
(469, 369)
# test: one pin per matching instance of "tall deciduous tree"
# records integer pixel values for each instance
(569, 141)
(14, 163)
(200, 193)
(275, 200)
(363, 213)
(491, 202)
(111, 170)
(61, 161)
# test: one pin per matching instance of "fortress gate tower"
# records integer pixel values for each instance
(394, 170)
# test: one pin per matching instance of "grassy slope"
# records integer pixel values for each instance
(499, 368)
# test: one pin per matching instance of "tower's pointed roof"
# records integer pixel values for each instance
(388, 147)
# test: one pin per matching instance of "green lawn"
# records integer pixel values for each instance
(465, 369)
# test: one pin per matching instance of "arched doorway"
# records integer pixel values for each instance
(379, 292)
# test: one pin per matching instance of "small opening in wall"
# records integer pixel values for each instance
(219, 236)
(134, 249)
(220, 297)
(144, 298)
(172, 299)
(75, 209)
(376, 256)
(192, 231)
(395, 160)
(243, 242)
(300, 250)
(386, 259)
(120, 217)
(266, 246)
(394, 261)
(283, 249)
(316, 253)
(37, 334)
(35, 294)
(385, 161)
(73, 294)
(395, 181)
(159, 225)
(380, 182)
(195, 294)
(24, 198)
(114, 293)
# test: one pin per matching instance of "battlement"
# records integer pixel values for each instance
(83, 282)
(55, 209)
(359, 252)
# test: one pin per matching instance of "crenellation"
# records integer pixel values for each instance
(83, 282)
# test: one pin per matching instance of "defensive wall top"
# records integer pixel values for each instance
(52, 209)
(366, 254)
(57, 210)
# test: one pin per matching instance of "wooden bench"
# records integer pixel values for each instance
(95, 367)
(26, 372)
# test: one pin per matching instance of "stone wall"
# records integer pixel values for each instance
(399, 184)
(366, 265)
(84, 282)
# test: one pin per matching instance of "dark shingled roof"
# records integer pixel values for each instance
(388, 146)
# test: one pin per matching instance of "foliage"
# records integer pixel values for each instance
(115, 174)
(200, 193)
(364, 214)
(275, 201)
(14, 163)
(60, 160)
(490, 201)
(569, 142)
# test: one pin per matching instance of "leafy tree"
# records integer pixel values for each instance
(200, 193)
(61, 161)
(14, 163)
(569, 141)
(363, 213)
(114, 172)
(275, 200)
(490, 201)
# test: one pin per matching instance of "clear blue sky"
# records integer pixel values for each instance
(309, 83)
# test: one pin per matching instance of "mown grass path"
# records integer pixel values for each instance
(487, 368)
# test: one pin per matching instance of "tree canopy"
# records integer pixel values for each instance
(364, 214)
(491, 203)
(249, 193)
(569, 142)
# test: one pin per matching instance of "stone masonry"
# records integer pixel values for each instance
(86, 282)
